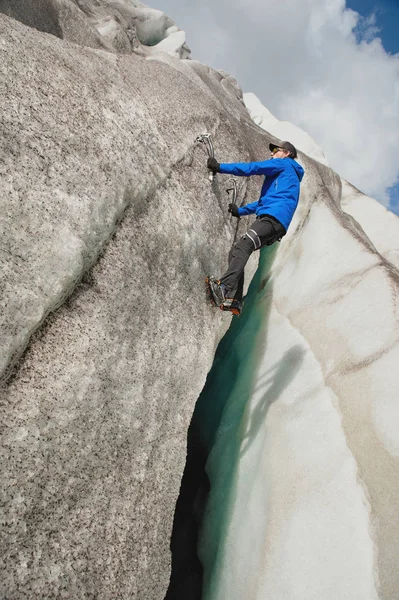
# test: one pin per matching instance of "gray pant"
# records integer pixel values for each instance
(263, 232)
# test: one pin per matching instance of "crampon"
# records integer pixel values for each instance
(232, 305)
(215, 291)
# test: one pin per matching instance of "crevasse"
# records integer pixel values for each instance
(275, 505)
(203, 507)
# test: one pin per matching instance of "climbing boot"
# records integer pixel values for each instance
(215, 290)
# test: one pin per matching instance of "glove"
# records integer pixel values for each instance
(213, 165)
(233, 209)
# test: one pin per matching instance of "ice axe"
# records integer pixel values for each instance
(232, 182)
(206, 139)
(233, 189)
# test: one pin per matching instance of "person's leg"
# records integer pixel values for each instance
(239, 256)
(261, 233)
(240, 286)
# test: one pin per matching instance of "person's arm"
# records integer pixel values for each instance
(248, 209)
(266, 167)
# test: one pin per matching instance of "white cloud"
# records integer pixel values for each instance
(313, 63)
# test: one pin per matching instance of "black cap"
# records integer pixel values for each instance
(285, 146)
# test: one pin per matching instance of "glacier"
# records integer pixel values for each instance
(109, 226)
(300, 461)
(309, 446)
(122, 26)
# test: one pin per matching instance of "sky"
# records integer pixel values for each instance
(329, 66)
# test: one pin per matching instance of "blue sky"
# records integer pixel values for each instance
(328, 66)
(387, 19)
(386, 14)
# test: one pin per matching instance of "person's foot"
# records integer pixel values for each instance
(216, 291)
(232, 305)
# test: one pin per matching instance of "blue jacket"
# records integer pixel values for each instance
(280, 190)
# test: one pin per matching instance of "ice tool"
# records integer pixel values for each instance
(206, 139)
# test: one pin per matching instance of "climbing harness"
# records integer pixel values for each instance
(206, 139)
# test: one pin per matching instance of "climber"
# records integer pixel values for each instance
(274, 211)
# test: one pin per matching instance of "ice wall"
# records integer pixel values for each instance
(108, 227)
(121, 26)
(380, 225)
(303, 474)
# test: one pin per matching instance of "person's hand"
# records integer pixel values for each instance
(213, 165)
(233, 209)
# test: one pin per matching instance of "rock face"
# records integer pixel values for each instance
(109, 226)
